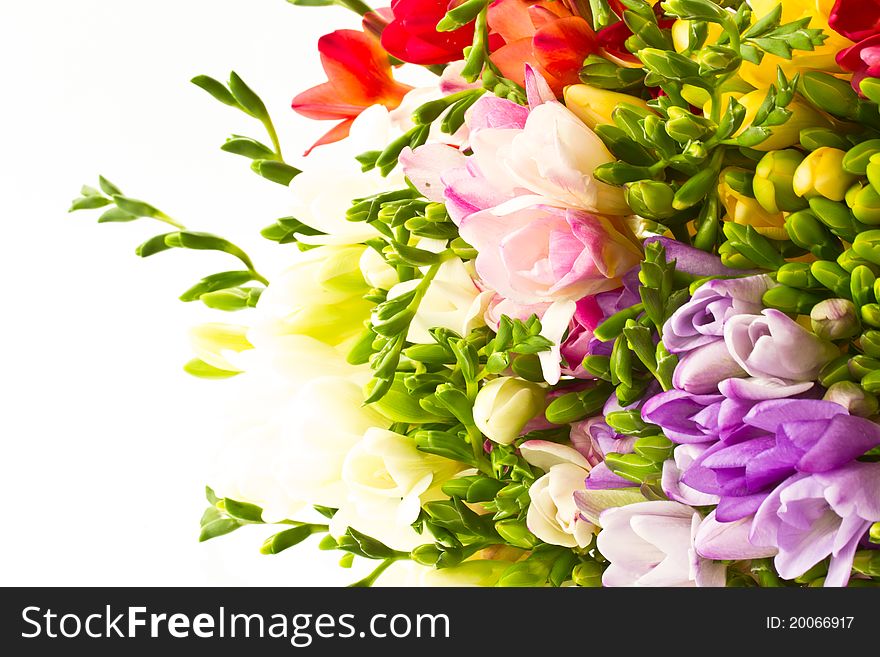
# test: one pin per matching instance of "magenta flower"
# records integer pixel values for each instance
(812, 516)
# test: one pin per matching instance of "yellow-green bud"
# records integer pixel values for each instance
(866, 205)
(856, 159)
(821, 174)
(651, 199)
(870, 343)
(873, 170)
(594, 106)
(505, 405)
(773, 180)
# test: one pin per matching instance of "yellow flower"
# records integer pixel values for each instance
(594, 106)
(747, 211)
(821, 59)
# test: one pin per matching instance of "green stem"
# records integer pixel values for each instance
(358, 7)
(372, 577)
(164, 218)
(273, 135)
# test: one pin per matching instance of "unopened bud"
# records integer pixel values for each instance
(834, 319)
(773, 181)
(651, 199)
(856, 159)
(594, 106)
(852, 398)
(821, 174)
(505, 405)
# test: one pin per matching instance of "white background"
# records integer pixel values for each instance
(106, 443)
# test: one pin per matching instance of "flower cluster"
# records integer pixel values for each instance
(598, 307)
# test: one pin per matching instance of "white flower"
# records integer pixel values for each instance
(553, 515)
(452, 301)
(505, 405)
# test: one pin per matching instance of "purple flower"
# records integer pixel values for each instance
(651, 544)
(701, 320)
(729, 540)
(812, 516)
(685, 418)
(777, 438)
(682, 458)
(701, 370)
(772, 345)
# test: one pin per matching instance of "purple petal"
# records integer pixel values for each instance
(694, 261)
(728, 540)
(538, 91)
(844, 438)
(425, 165)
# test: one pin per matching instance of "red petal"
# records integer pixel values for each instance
(561, 47)
(359, 69)
(511, 60)
(511, 19)
(336, 133)
(323, 102)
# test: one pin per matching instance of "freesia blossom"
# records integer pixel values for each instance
(682, 458)
(553, 515)
(776, 439)
(546, 35)
(546, 155)
(651, 544)
(811, 517)
(772, 345)
(855, 19)
(543, 253)
(388, 478)
(594, 438)
(359, 75)
(701, 320)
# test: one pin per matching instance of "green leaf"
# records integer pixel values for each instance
(243, 511)
(89, 203)
(215, 524)
(214, 282)
(248, 100)
(189, 239)
(154, 245)
(116, 215)
(216, 88)
(367, 546)
(109, 188)
(247, 147)
(203, 370)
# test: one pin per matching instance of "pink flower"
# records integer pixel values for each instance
(542, 253)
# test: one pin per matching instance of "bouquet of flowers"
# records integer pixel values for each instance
(599, 306)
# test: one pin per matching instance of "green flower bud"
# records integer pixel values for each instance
(862, 281)
(852, 193)
(871, 314)
(850, 261)
(821, 174)
(832, 276)
(815, 138)
(809, 233)
(874, 533)
(856, 159)
(739, 180)
(683, 126)
(836, 216)
(797, 274)
(871, 382)
(829, 93)
(835, 371)
(853, 398)
(835, 319)
(866, 205)
(651, 199)
(873, 170)
(870, 343)
(861, 366)
(773, 180)
(730, 257)
(587, 574)
(516, 533)
(790, 300)
(695, 189)
(867, 246)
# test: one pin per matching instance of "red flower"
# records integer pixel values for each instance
(359, 75)
(412, 35)
(855, 19)
(863, 59)
(546, 35)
